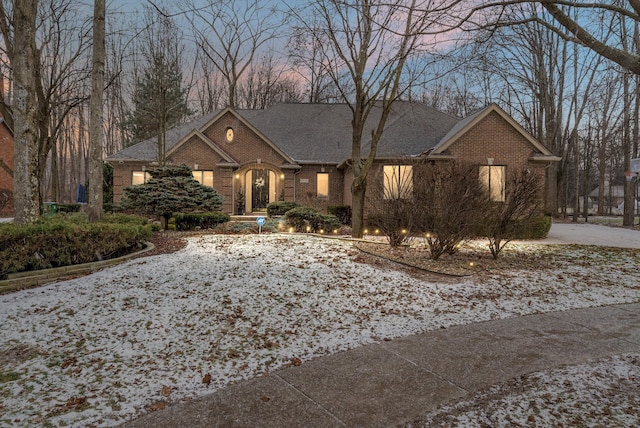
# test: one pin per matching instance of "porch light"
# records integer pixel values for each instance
(195, 166)
(365, 231)
(321, 231)
(308, 228)
(472, 264)
(428, 235)
(335, 231)
(291, 230)
(237, 176)
(404, 231)
(281, 176)
(376, 231)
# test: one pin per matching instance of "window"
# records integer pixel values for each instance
(204, 177)
(229, 135)
(398, 181)
(139, 177)
(322, 179)
(493, 178)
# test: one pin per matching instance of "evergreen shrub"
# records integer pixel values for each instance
(343, 212)
(305, 219)
(189, 221)
(280, 208)
(68, 208)
(532, 228)
(59, 242)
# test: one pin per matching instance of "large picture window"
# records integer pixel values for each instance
(398, 181)
(204, 177)
(493, 178)
(139, 177)
(322, 189)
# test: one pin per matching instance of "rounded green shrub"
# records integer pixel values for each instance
(305, 219)
(280, 208)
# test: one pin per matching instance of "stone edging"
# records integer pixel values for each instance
(22, 280)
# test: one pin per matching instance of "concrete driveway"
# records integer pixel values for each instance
(592, 234)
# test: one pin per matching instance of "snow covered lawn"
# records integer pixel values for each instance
(105, 348)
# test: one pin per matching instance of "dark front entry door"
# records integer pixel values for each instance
(259, 189)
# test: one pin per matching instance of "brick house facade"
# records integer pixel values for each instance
(300, 152)
(6, 169)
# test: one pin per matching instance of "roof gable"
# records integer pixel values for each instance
(227, 158)
(466, 124)
(251, 127)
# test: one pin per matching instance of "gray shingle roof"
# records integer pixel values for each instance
(321, 133)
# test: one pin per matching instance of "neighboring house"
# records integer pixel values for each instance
(613, 199)
(301, 152)
(6, 169)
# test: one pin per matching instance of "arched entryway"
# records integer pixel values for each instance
(260, 184)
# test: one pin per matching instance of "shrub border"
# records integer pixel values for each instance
(23, 280)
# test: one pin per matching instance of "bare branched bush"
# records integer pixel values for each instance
(393, 209)
(450, 200)
(523, 200)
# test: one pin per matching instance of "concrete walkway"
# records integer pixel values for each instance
(394, 382)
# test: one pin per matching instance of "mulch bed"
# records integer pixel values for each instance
(166, 242)
(467, 261)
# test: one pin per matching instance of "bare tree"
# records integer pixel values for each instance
(25, 59)
(370, 44)
(61, 69)
(305, 50)
(96, 111)
(566, 21)
(231, 33)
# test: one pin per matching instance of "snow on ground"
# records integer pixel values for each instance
(599, 394)
(104, 348)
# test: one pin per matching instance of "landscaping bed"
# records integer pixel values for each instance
(472, 258)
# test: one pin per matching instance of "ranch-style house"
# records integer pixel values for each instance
(301, 152)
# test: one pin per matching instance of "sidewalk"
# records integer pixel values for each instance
(394, 382)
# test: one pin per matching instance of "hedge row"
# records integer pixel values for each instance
(191, 221)
(60, 241)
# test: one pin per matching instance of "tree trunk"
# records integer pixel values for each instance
(25, 108)
(358, 190)
(96, 113)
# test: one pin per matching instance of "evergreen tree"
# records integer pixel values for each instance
(159, 99)
(171, 189)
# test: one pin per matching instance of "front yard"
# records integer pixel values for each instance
(105, 348)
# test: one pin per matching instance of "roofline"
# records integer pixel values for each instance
(545, 158)
(493, 107)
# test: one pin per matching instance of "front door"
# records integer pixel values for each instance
(259, 190)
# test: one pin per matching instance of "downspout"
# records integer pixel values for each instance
(295, 179)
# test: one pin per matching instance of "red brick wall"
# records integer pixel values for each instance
(247, 146)
(493, 137)
(6, 155)
(306, 187)
(122, 173)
